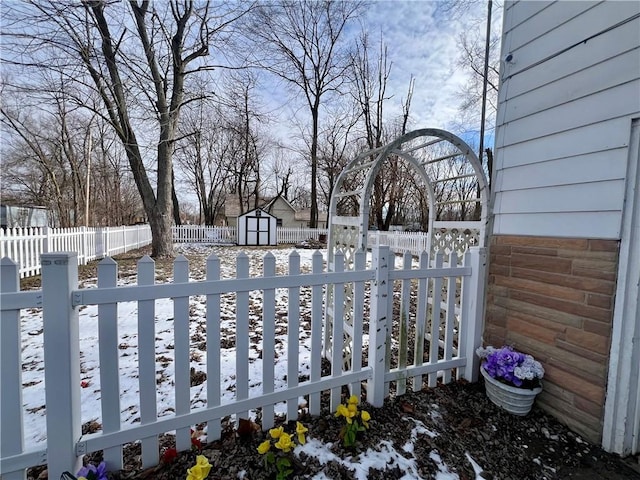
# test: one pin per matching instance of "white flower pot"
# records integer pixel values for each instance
(517, 401)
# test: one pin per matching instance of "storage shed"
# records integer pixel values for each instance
(257, 227)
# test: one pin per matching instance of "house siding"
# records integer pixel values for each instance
(572, 108)
(568, 98)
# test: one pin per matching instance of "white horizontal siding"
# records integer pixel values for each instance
(620, 101)
(565, 171)
(582, 197)
(531, 24)
(594, 52)
(614, 72)
(564, 125)
(585, 24)
(597, 225)
(523, 10)
(597, 137)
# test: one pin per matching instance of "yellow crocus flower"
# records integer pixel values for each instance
(276, 432)
(264, 447)
(342, 411)
(284, 443)
(353, 400)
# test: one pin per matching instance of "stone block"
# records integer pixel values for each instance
(566, 306)
(542, 288)
(588, 340)
(604, 245)
(579, 283)
(574, 384)
(537, 262)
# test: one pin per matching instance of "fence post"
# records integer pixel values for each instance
(378, 324)
(12, 440)
(62, 361)
(473, 289)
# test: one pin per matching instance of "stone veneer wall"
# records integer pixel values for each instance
(553, 298)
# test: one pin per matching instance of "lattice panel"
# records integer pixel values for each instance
(447, 240)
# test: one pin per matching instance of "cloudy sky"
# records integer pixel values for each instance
(423, 41)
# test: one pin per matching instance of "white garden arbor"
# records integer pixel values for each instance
(456, 188)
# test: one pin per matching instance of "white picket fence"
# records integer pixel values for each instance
(25, 245)
(446, 323)
(228, 235)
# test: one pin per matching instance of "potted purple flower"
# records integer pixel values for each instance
(512, 378)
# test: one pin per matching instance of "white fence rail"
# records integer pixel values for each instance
(391, 343)
(228, 235)
(25, 245)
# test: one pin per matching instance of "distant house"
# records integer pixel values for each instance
(564, 267)
(233, 209)
(303, 217)
(12, 216)
(286, 215)
(284, 212)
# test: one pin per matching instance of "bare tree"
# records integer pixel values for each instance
(137, 60)
(302, 42)
(45, 161)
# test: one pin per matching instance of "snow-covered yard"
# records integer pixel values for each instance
(32, 335)
(33, 354)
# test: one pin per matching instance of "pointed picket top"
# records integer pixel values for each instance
(242, 265)
(146, 259)
(294, 253)
(269, 265)
(213, 258)
(9, 272)
(317, 254)
(181, 258)
(107, 261)
(181, 269)
(7, 262)
(146, 271)
(269, 256)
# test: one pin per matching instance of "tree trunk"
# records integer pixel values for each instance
(313, 221)
(162, 237)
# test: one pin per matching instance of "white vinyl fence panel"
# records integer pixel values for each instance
(60, 298)
(25, 245)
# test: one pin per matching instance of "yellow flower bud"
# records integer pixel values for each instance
(264, 447)
(365, 417)
(276, 432)
(300, 430)
(353, 400)
(342, 411)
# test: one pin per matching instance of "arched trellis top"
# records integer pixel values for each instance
(451, 174)
(456, 189)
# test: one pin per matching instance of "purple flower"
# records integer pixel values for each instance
(510, 366)
(91, 472)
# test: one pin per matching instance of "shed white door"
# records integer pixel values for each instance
(258, 230)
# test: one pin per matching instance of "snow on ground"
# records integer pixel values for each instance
(33, 361)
